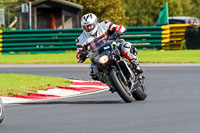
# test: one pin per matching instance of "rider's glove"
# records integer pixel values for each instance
(116, 35)
(83, 56)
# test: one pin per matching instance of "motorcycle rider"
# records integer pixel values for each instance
(107, 30)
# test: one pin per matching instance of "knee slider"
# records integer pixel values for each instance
(126, 47)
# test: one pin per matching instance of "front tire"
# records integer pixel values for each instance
(120, 89)
(140, 94)
(1, 111)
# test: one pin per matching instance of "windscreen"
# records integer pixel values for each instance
(97, 44)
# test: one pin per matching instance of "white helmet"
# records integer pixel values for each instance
(89, 23)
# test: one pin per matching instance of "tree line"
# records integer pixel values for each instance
(138, 12)
(132, 12)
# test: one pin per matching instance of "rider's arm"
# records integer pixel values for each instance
(81, 53)
(79, 48)
(114, 27)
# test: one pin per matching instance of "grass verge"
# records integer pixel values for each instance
(23, 84)
(68, 57)
(174, 56)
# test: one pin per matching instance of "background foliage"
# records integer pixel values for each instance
(131, 12)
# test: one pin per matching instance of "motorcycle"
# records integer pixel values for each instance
(115, 70)
(1, 111)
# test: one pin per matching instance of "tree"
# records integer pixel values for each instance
(146, 12)
(195, 11)
(112, 10)
(128, 12)
(9, 10)
(143, 12)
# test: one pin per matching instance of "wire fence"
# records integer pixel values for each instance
(9, 12)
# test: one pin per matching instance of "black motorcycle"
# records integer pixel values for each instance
(115, 70)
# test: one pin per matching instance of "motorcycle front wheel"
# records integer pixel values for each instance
(140, 93)
(117, 84)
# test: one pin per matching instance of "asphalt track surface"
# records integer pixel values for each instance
(172, 106)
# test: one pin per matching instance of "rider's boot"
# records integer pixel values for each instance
(136, 66)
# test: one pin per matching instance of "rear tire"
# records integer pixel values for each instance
(1, 111)
(120, 89)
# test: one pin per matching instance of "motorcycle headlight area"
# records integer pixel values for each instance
(103, 59)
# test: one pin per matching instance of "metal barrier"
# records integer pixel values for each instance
(146, 37)
(177, 35)
(38, 41)
(62, 40)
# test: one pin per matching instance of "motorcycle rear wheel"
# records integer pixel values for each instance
(119, 87)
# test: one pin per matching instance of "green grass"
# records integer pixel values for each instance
(174, 56)
(69, 57)
(23, 84)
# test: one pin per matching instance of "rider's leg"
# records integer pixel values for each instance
(130, 52)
